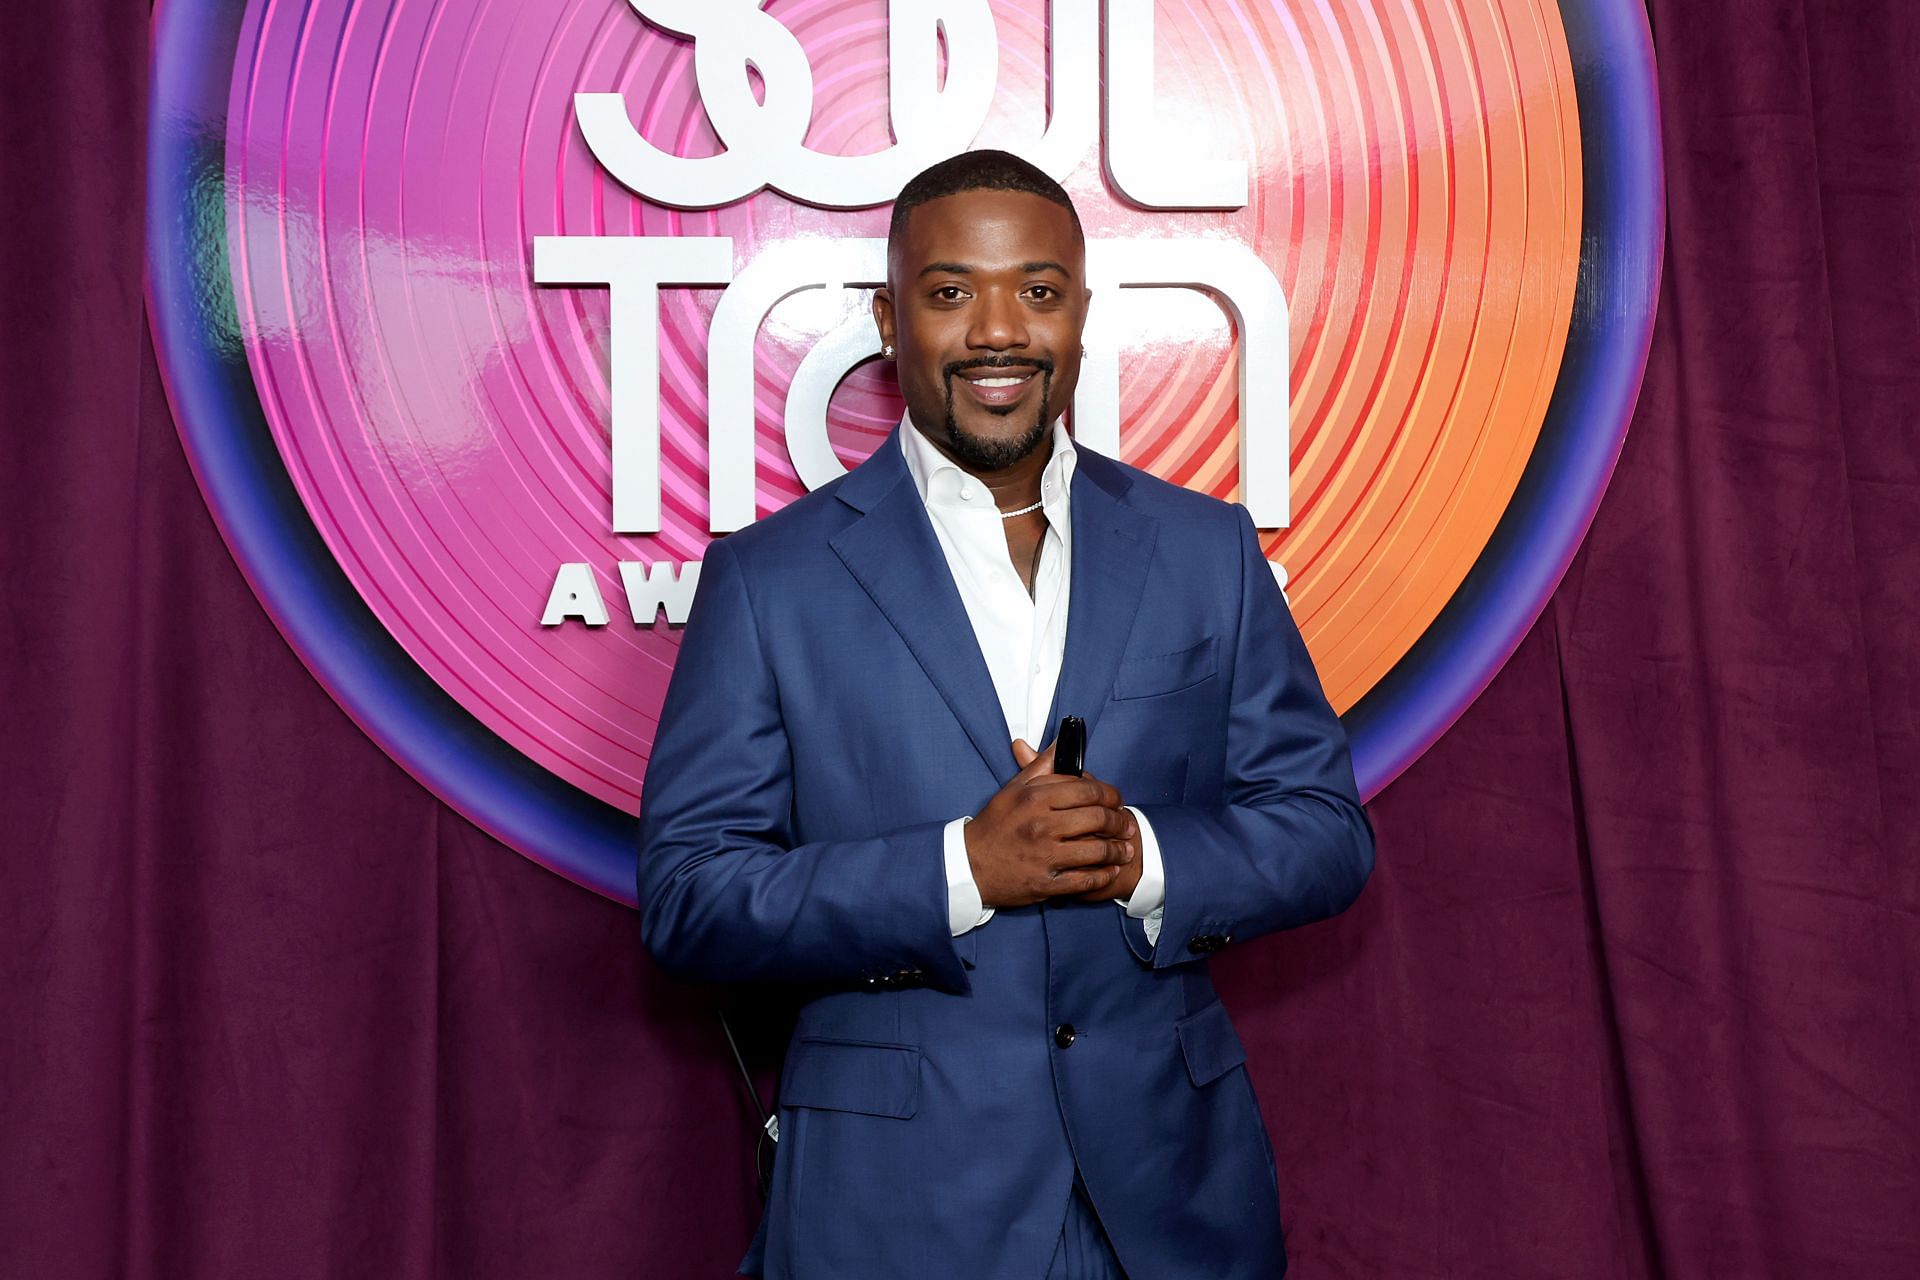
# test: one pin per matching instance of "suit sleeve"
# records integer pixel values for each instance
(1292, 843)
(725, 892)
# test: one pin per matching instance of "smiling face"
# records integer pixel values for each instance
(985, 302)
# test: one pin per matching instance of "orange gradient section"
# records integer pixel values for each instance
(1423, 212)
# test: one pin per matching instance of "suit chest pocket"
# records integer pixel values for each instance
(1155, 675)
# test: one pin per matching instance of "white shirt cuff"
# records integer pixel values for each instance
(1147, 904)
(964, 908)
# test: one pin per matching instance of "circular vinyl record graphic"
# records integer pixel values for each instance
(479, 321)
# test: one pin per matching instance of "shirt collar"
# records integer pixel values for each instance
(941, 482)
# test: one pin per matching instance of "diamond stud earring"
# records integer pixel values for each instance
(886, 352)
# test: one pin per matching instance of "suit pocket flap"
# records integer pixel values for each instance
(852, 1075)
(1164, 672)
(1211, 1045)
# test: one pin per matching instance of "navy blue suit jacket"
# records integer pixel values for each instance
(829, 714)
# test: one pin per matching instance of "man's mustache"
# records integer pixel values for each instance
(1041, 363)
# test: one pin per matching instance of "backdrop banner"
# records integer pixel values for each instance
(479, 323)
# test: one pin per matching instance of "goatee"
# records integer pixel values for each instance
(977, 453)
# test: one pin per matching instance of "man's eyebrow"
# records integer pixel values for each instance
(962, 269)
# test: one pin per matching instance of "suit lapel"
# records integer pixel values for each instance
(892, 553)
(1112, 548)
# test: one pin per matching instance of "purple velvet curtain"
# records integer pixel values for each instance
(1632, 993)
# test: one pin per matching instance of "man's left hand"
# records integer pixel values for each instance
(1128, 880)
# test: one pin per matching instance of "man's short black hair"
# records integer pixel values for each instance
(984, 170)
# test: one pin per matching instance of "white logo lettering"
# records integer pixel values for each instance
(932, 116)
(764, 140)
(653, 587)
(575, 595)
(633, 268)
(935, 111)
(636, 266)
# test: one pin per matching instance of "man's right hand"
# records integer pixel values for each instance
(1046, 835)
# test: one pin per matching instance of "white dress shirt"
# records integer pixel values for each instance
(1022, 637)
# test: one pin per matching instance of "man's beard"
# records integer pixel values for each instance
(978, 454)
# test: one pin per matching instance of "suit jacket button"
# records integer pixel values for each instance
(1200, 945)
(1063, 1035)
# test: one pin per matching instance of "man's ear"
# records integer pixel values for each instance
(883, 314)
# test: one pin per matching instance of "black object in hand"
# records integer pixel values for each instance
(1070, 746)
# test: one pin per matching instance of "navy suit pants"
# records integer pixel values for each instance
(1084, 1252)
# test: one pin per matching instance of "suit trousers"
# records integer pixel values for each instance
(1084, 1252)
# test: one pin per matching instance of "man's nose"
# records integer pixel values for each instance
(997, 322)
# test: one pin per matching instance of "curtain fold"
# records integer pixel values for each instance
(1632, 994)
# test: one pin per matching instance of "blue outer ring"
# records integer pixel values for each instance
(218, 415)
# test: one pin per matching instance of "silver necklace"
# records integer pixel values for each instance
(1008, 515)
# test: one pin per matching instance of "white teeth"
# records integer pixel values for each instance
(998, 382)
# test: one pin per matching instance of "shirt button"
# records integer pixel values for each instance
(1063, 1035)
(966, 493)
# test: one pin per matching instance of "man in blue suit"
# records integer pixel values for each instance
(1010, 1060)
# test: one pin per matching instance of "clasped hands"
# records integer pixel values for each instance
(1048, 835)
